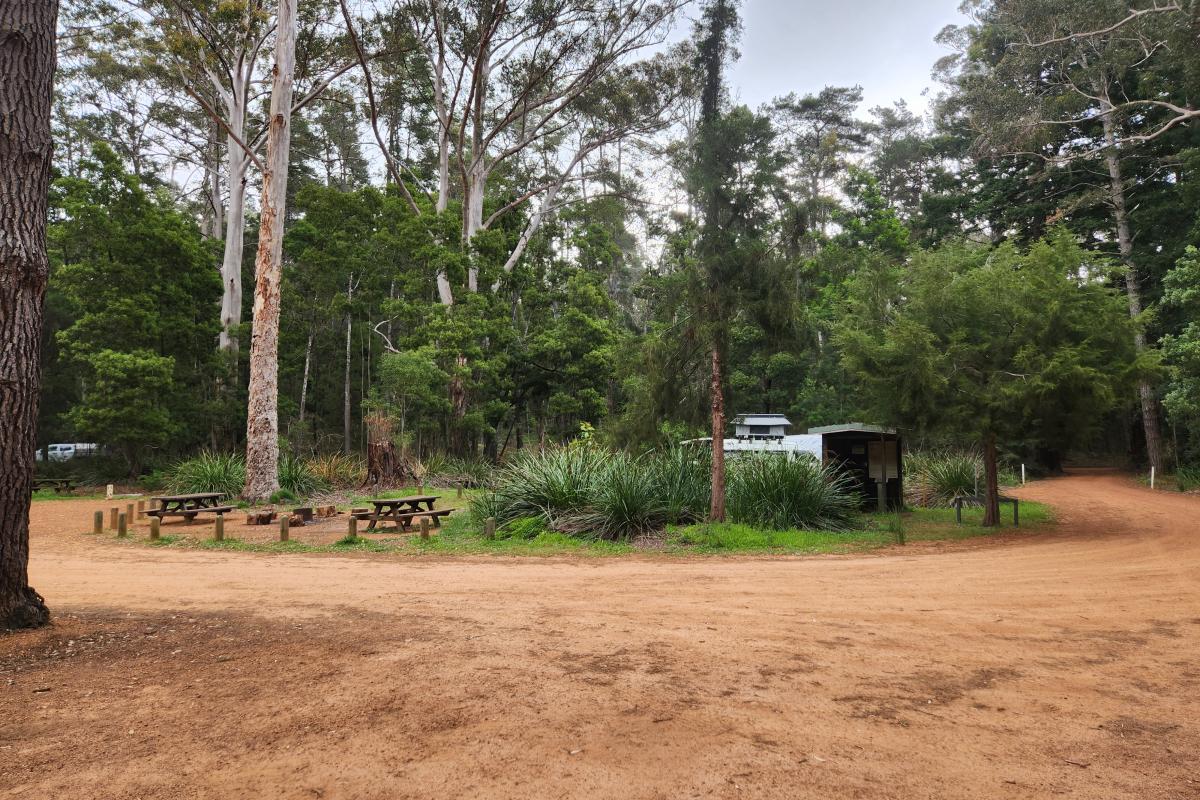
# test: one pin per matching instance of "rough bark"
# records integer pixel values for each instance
(716, 512)
(991, 494)
(262, 413)
(27, 41)
(1133, 291)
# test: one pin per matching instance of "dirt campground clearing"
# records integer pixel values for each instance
(1066, 664)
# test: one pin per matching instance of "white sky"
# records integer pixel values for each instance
(885, 46)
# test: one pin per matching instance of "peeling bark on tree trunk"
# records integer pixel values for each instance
(262, 415)
(716, 512)
(991, 499)
(27, 41)
(1146, 398)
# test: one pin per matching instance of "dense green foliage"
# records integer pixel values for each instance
(959, 275)
(585, 490)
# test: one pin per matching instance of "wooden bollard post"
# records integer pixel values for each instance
(284, 520)
(352, 533)
(154, 523)
(141, 511)
(98, 523)
(460, 491)
(129, 517)
(122, 525)
(489, 528)
(424, 527)
(219, 532)
(112, 518)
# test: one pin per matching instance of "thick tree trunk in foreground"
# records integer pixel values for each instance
(1146, 398)
(991, 494)
(716, 512)
(27, 39)
(262, 414)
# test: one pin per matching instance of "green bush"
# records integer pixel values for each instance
(338, 470)
(1188, 478)
(296, 477)
(934, 478)
(448, 472)
(783, 492)
(586, 491)
(282, 496)
(208, 472)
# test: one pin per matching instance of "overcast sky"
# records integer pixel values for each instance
(885, 46)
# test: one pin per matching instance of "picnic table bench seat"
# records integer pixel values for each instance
(59, 485)
(189, 506)
(190, 513)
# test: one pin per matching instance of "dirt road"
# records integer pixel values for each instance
(1065, 665)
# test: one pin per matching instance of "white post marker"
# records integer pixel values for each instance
(109, 492)
(1022, 474)
(1152, 477)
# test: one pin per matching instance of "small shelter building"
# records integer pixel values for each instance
(872, 454)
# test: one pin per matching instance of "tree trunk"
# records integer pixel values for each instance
(262, 415)
(27, 40)
(346, 444)
(716, 512)
(304, 380)
(236, 164)
(1147, 400)
(991, 499)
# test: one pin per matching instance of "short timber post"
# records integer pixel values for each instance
(881, 495)
(122, 525)
(112, 518)
(98, 523)
(219, 531)
(154, 530)
(284, 521)
(141, 509)
(424, 527)
(489, 528)
(352, 533)
(460, 488)
(129, 517)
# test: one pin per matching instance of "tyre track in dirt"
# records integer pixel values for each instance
(1049, 666)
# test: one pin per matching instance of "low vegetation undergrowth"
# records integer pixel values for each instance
(934, 478)
(587, 492)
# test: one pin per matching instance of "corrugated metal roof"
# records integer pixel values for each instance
(761, 419)
(853, 427)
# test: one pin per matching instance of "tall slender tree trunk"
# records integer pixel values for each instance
(1133, 291)
(991, 493)
(304, 380)
(716, 512)
(346, 443)
(236, 165)
(27, 39)
(262, 415)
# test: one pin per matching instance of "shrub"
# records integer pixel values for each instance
(447, 472)
(624, 500)
(783, 492)
(683, 479)
(208, 472)
(296, 478)
(282, 496)
(1188, 478)
(933, 479)
(547, 485)
(338, 470)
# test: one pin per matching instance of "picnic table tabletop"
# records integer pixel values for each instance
(181, 498)
(399, 501)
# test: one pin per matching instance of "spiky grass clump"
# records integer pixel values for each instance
(296, 477)
(783, 492)
(338, 470)
(208, 472)
(933, 479)
(1188, 478)
(547, 485)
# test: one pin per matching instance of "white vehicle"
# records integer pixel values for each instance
(65, 451)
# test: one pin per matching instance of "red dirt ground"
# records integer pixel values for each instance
(1062, 665)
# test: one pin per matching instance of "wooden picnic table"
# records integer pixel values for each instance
(188, 505)
(59, 485)
(403, 510)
